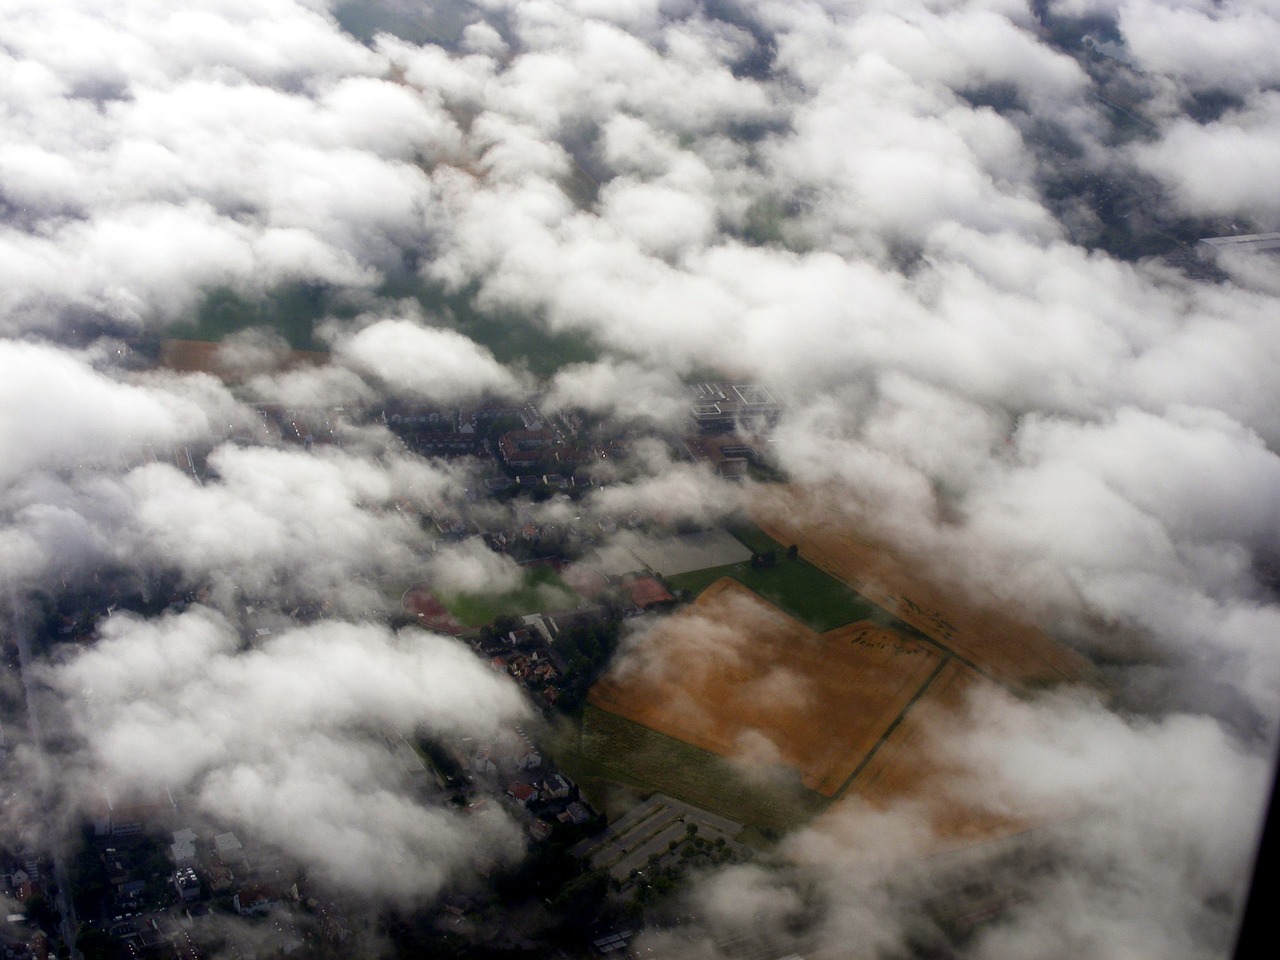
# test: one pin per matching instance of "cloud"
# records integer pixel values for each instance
(61, 413)
(285, 523)
(1221, 168)
(860, 205)
(425, 363)
(471, 567)
(621, 391)
(280, 742)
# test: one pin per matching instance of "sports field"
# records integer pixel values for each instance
(542, 590)
(735, 676)
(994, 641)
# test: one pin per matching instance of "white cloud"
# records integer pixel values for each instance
(425, 363)
(281, 742)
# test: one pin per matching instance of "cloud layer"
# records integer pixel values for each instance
(930, 227)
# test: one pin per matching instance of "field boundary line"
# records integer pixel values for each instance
(901, 626)
(897, 721)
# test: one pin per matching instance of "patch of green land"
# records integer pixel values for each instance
(542, 590)
(612, 749)
(291, 311)
(295, 310)
(797, 586)
(513, 339)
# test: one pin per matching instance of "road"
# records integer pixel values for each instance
(22, 635)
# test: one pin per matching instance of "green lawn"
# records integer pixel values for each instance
(796, 586)
(542, 590)
(612, 749)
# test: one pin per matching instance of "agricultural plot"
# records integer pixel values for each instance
(205, 356)
(796, 586)
(911, 767)
(736, 677)
(991, 640)
(612, 748)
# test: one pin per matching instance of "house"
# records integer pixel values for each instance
(183, 848)
(576, 813)
(527, 756)
(252, 901)
(556, 787)
(221, 879)
(187, 884)
(484, 761)
(522, 793)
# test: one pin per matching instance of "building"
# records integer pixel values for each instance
(1249, 242)
(187, 884)
(556, 787)
(522, 793)
(183, 848)
(722, 407)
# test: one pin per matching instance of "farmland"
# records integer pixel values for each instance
(994, 641)
(839, 668)
(206, 356)
(911, 767)
(612, 748)
(796, 586)
(736, 677)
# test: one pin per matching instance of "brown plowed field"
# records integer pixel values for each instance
(734, 675)
(993, 640)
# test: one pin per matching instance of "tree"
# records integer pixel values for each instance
(96, 944)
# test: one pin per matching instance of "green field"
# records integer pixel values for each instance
(513, 339)
(796, 586)
(610, 749)
(294, 310)
(542, 590)
(291, 311)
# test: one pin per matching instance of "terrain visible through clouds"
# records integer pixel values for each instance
(682, 478)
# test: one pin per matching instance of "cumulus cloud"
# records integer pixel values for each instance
(471, 567)
(622, 391)
(60, 413)
(857, 204)
(280, 523)
(425, 363)
(281, 741)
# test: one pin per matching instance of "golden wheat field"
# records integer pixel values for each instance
(736, 676)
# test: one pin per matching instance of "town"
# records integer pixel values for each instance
(148, 880)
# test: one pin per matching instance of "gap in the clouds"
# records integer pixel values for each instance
(1066, 32)
(1209, 106)
(758, 63)
(440, 21)
(298, 311)
(513, 339)
(291, 310)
